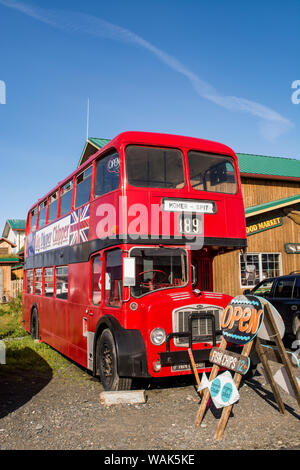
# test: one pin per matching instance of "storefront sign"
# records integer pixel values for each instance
(229, 360)
(263, 225)
(242, 319)
(292, 248)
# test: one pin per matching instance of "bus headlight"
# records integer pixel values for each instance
(158, 336)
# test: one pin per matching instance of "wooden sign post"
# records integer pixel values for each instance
(240, 323)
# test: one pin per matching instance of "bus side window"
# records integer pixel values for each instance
(96, 280)
(43, 211)
(49, 282)
(113, 278)
(62, 282)
(66, 198)
(83, 187)
(107, 174)
(29, 276)
(53, 201)
(38, 281)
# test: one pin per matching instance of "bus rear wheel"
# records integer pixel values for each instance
(34, 324)
(107, 358)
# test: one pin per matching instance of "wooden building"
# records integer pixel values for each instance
(7, 261)
(271, 191)
(14, 231)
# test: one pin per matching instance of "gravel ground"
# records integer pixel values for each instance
(42, 411)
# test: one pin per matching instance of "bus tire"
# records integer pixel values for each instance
(108, 369)
(34, 324)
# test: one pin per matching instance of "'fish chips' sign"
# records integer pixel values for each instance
(242, 319)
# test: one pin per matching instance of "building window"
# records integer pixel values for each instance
(62, 282)
(96, 280)
(113, 278)
(38, 281)
(255, 267)
(49, 282)
(83, 187)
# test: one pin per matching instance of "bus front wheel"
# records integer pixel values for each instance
(107, 358)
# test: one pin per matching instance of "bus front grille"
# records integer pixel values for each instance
(200, 326)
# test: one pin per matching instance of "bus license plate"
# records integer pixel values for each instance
(184, 367)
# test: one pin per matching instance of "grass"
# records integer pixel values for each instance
(10, 319)
(22, 353)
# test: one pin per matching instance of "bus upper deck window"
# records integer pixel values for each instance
(33, 215)
(66, 198)
(107, 174)
(53, 201)
(214, 173)
(154, 167)
(83, 187)
(43, 210)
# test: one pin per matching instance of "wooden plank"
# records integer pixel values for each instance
(283, 354)
(262, 353)
(195, 369)
(206, 394)
(227, 410)
(119, 397)
(272, 354)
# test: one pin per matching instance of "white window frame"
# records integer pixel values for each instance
(259, 254)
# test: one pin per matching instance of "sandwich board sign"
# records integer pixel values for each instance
(241, 322)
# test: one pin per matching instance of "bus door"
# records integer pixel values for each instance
(106, 292)
(202, 272)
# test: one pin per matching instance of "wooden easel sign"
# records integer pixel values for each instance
(240, 323)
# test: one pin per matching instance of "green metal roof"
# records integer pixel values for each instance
(269, 166)
(98, 142)
(17, 224)
(260, 208)
(9, 260)
(248, 163)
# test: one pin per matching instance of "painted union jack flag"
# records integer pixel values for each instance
(80, 225)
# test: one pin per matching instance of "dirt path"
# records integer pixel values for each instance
(41, 411)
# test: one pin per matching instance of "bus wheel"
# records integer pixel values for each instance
(108, 364)
(34, 324)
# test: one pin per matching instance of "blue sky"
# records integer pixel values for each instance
(217, 70)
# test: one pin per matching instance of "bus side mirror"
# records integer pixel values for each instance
(128, 272)
(247, 291)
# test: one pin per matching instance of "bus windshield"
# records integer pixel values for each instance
(209, 172)
(159, 268)
(154, 167)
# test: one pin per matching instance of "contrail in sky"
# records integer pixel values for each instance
(271, 123)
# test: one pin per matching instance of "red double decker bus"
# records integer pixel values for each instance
(119, 256)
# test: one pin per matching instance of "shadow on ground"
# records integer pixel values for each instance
(18, 386)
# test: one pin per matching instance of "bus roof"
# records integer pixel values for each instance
(147, 138)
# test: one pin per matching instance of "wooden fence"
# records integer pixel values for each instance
(16, 287)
